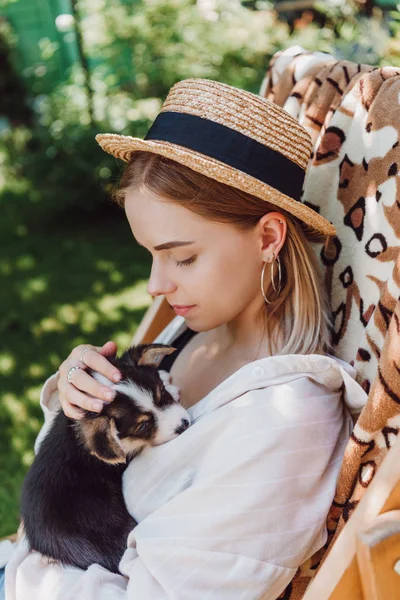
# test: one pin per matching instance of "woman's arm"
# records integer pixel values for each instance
(50, 404)
(253, 510)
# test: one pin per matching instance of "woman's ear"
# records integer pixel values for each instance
(100, 436)
(272, 233)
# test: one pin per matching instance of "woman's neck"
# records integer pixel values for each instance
(243, 337)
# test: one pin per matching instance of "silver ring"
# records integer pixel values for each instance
(83, 352)
(69, 373)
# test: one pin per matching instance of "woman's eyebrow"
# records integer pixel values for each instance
(169, 245)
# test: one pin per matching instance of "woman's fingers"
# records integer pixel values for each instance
(109, 348)
(86, 383)
(96, 361)
(84, 391)
(72, 400)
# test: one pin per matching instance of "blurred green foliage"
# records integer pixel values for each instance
(135, 52)
(63, 282)
(161, 42)
(70, 271)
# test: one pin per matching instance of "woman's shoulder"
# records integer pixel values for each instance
(322, 368)
(300, 376)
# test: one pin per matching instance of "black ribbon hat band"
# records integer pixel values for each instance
(230, 147)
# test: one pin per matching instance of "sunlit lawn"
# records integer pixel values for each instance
(63, 282)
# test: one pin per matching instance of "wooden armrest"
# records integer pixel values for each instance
(157, 317)
(13, 537)
(341, 576)
(378, 557)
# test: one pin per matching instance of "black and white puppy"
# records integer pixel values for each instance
(72, 507)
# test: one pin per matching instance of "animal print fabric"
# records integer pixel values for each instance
(352, 112)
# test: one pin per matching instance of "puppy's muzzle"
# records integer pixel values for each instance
(182, 427)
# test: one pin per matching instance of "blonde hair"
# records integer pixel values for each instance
(300, 314)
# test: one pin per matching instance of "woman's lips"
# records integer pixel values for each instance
(182, 310)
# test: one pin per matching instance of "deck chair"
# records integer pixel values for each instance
(352, 113)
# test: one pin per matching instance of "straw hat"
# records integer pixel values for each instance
(234, 137)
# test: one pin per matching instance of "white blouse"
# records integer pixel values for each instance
(230, 508)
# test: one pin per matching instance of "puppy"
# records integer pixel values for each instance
(72, 506)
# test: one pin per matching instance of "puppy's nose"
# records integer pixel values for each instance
(182, 427)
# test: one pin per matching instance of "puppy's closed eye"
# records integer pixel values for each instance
(142, 427)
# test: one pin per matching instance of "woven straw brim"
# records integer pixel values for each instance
(123, 146)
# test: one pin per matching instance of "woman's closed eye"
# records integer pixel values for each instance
(188, 261)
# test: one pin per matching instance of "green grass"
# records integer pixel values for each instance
(64, 281)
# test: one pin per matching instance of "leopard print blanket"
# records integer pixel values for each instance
(352, 112)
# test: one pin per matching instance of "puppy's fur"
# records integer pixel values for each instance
(72, 505)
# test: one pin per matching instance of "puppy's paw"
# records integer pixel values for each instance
(165, 377)
(174, 391)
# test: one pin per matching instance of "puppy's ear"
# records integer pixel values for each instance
(100, 436)
(152, 354)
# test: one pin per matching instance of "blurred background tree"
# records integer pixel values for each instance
(70, 270)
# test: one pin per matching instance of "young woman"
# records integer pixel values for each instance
(232, 507)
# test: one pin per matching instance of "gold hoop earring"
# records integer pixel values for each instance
(272, 278)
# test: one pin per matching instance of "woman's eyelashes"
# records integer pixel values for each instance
(188, 261)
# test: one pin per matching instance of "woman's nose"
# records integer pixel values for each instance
(159, 284)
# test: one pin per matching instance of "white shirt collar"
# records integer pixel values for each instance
(272, 370)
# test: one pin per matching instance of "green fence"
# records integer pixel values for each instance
(47, 43)
(46, 46)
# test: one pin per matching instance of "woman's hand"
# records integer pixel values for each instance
(74, 396)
